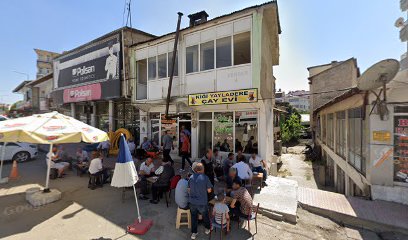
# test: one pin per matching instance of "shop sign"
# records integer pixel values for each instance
(401, 148)
(227, 97)
(83, 93)
(381, 136)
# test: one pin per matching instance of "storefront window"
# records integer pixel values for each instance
(223, 132)
(170, 61)
(401, 144)
(162, 65)
(246, 131)
(224, 52)
(205, 116)
(192, 59)
(152, 64)
(242, 48)
(330, 130)
(207, 56)
(355, 141)
(341, 134)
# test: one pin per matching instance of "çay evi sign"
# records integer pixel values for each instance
(228, 97)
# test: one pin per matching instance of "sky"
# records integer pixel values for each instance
(314, 32)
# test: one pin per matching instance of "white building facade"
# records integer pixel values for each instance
(223, 87)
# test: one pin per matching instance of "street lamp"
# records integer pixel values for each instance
(22, 73)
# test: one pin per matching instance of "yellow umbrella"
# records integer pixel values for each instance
(49, 128)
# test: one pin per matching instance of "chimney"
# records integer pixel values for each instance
(198, 18)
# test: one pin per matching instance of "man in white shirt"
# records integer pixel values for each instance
(53, 159)
(244, 172)
(146, 170)
(96, 167)
(258, 165)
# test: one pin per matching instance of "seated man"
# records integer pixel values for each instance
(146, 170)
(243, 170)
(241, 157)
(258, 165)
(54, 160)
(241, 196)
(163, 182)
(232, 176)
(82, 160)
(227, 164)
(96, 168)
(181, 194)
(104, 147)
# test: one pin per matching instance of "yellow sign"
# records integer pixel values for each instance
(228, 97)
(381, 136)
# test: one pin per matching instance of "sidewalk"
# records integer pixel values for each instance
(373, 215)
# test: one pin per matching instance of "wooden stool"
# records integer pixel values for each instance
(180, 212)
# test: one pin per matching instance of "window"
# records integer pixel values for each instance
(324, 130)
(330, 128)
(224, 52)
(401, 144)
(141, 68)
(355, 141)
(207, 56)
(192, 59)
(152, 68)
(223, 131)
(242, 48)
(170, 61)
(246, 131)
(341, 134)
(162, 65)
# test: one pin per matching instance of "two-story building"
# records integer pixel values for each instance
(223, 86)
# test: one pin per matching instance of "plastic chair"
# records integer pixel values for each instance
(180, 212)
(173, 184)
(252, 216)
(215, 225)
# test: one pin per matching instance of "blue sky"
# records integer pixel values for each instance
(314, 31)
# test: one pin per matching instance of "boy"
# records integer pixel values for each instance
(221, 209)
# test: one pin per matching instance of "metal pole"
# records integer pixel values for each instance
(173, 63)
(137, 204)
(3, 150)
(47, 180)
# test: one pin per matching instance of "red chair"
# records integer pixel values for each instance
(252, 216)
(173, 184)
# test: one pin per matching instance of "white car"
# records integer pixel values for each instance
(19, 151)
(3, 118)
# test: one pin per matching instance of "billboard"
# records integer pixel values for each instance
(227, 97)
(91, 73)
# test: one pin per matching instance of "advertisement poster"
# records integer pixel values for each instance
(401, 148)
(228, 97)
(91, 73)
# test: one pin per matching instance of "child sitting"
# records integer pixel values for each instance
(221, 209)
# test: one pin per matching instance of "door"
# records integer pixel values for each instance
(204, 137)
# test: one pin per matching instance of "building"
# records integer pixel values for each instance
(44, 62)
(223, 88)
(92, 81)
(41, 89)
(25, 106)
(300, 100)
(329, 81)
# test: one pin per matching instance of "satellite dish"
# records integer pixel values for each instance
(377, 76)
(400, 22)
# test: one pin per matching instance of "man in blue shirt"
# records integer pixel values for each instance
(199, 186)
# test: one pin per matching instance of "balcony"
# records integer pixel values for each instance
(404, 32)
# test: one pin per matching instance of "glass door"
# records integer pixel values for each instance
(204, 137)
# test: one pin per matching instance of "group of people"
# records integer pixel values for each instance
(195, 191)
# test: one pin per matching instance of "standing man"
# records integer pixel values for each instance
(185, 151)
(199, 186)
(167, 143)
(104, 147)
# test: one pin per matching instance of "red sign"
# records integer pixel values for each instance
(83, 93)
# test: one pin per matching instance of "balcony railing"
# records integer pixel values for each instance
(404, 61)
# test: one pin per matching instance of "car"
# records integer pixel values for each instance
(20, 152)
(3, 118)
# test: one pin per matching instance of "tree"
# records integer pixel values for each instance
(291, 128)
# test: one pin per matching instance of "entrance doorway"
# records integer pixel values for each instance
(204, 137)
(185, 127)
